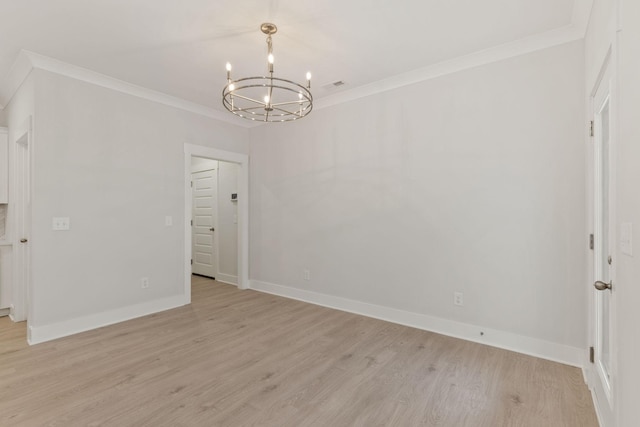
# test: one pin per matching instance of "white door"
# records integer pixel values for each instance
(204, 242)
(603, 289)
(22, 186)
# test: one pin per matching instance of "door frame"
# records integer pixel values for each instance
(21, 307)
(242, 160)
(605, 403)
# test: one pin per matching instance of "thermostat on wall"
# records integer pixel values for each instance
(234, 197)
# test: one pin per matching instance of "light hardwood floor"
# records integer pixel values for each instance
(242, 358)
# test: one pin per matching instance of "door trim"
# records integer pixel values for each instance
(605, 404)
(242, 160)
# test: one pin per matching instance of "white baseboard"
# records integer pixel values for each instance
(5, 311)
(227, 278)
(39, 334)
(506, 340)
(590, 376)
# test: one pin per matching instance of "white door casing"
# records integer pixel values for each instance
(602, 287)
(242, 160)
(204, 239)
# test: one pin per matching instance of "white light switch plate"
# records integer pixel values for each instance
(60, 223)
(168, 221)
(626, 238)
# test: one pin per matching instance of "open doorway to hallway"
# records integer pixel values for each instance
(241, 161)
(214, 219)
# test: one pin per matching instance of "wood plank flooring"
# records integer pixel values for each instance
(242, 358)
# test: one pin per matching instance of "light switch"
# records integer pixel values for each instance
(626, 238)
(168, 221)
(235, 218)
(60, 223)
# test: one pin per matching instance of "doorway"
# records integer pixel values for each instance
(214, 231)
(21, 223)
(234, 207)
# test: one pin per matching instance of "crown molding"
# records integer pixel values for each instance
(581, 15)
(509, 50)
(27, 61)
(575, 31)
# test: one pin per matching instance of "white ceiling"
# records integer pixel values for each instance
(180, 47)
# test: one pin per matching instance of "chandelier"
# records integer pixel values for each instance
(267, 98)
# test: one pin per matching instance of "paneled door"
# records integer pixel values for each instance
(603, 288)
(204, 247)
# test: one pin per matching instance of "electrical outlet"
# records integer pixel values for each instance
(306, 274)
(60, 223)
(457, 298)
(144, 282)
(626, 241)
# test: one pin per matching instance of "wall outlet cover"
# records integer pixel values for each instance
(458, 298)
(626, 238)
(60, 223)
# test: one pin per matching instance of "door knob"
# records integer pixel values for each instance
(23, 240)
(602, 286)
(212, 229)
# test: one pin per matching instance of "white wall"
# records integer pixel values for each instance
(5, 276)
(227, 211)
(628, 210)
(114, 165)
(602, 25)
(227, 222)
(472, 182)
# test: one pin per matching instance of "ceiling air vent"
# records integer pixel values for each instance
(333, 85)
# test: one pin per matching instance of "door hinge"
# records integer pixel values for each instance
(592, 356)
(191, 262)
(591, 241)
(591, 129)
(192, 226)
(192, 181)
